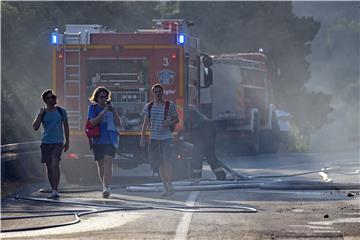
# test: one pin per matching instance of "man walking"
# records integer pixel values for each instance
(160, 115)
(203, 135)
(55, 124)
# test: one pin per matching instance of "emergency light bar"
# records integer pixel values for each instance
(181, 38)
(54, 38)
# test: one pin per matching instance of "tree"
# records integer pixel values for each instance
(335, 69)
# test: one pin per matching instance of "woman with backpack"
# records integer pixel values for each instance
(102, 116)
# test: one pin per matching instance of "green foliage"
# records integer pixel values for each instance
(298, 142)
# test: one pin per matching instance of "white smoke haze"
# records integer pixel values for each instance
(225, 91)
(334, 66)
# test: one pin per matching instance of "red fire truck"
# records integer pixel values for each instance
(240, 101)
(87, 56)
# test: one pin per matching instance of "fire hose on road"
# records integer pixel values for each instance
(239, 181)
(242, 181)
(101, 208)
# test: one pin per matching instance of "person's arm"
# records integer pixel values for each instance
(143, 131)
(67, 135)
(174, 117)
(66, 130)
(117, 119)
(172, 121)
(95, 120)
(175, 120)
(37, 121)
(145, 125)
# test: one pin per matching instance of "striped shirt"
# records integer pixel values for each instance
(157, 131)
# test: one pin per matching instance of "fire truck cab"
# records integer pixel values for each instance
(128, 64)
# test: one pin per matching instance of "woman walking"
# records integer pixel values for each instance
(102, 114)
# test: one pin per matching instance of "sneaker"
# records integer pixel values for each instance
(171, 190)
(106, 192)
(56, 195)
(165, 191)
(53, 195)
(220, 176)
(168, 190)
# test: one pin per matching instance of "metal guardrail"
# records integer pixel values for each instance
(21, 161)
(17, 151)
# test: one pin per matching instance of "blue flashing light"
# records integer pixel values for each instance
(181, 38)
(54, 38)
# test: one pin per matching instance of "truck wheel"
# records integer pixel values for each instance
(223, 148)
(254, 145)
(183, 165)
(269, 138)
(268, 141)
(196, 162)
(181, 169)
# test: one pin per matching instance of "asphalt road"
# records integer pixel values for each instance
(279, 202)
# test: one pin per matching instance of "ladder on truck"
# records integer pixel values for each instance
(72, 76)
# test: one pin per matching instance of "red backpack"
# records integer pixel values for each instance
(91, 130)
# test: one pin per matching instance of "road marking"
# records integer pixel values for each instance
(321, 231)
(184, 224)
(313, 227)
(338, 220)
(297, 210)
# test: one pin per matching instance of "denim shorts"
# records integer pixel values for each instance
(160, 151)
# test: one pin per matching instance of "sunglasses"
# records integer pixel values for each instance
(103, 97)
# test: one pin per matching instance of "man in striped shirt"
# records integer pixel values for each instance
(160, 115)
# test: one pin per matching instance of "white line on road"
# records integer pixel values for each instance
(184, 224)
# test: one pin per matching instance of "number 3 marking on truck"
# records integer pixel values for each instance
(165, 62)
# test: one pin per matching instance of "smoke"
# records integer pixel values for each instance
(334, 66)
(225, 89)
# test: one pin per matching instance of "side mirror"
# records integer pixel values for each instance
(208, 77)
(207, 60)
